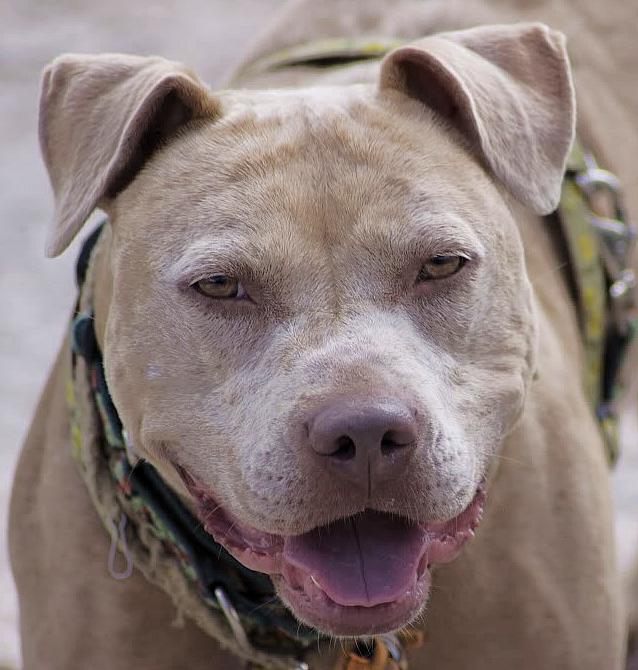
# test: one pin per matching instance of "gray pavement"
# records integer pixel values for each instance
(36, 295)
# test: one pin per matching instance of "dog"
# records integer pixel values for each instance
(332, 320)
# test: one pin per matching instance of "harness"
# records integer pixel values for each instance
(157, 533)
(599, 240)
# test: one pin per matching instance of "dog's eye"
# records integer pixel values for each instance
(440, 267)
(220, 286)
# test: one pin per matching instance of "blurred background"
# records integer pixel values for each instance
(36, 294)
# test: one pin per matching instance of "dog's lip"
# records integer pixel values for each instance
(314, 607)
(305, 569)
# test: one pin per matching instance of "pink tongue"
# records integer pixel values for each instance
(365, 560)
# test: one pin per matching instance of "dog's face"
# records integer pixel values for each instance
(280, 269)
(320, 319)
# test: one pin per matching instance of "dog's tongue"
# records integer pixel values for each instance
(365, 560)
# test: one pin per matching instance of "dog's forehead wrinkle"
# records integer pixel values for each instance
(219, 251)
(366, 209)
(313, 119)
(325, 176)
(344, 268)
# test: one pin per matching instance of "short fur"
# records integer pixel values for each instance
(325, 200)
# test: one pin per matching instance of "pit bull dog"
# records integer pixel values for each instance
(333, 321)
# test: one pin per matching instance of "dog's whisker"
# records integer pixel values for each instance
(512, 460)
(210, 513)
(544, 275)
(266, 603)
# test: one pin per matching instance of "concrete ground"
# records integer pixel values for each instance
(36, 295)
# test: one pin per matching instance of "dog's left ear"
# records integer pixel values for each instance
(508, 90)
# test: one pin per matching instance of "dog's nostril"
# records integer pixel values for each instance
(391, 441)
(346, 449)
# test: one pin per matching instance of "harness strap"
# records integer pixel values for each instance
(323, 53)
(600, 245)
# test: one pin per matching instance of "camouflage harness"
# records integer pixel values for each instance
(600, 248)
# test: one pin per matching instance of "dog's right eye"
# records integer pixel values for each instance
(220, 286)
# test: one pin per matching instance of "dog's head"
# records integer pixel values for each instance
(319, 325)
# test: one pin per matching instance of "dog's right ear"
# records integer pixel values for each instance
(101, 117)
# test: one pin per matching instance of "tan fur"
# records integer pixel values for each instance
(325, 201)
(632, 594)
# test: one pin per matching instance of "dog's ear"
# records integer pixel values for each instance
(508, 90)
(100, 119)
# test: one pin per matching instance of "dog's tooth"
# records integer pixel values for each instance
(315, 582)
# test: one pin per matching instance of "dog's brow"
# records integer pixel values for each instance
(433, 234)
(214, 253)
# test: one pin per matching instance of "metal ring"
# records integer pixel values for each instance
(596, 178)
(625, 283)
(233, 619)
(394, 646)
(612, 227)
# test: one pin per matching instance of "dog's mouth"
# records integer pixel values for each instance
(361, 575)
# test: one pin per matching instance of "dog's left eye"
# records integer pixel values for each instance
(440, 267)
(220, 286)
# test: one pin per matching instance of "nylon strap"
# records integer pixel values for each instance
(587, 271)
(324, 53)
(599, 251)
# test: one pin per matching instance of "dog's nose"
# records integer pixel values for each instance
(365, 441)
